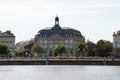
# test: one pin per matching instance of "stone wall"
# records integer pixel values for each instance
(58, 62)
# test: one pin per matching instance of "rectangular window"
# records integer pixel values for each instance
(70, 46)
(51, 46)
(45, 41)
(66, 41)
(66, 46)
(50, 42)
(56, 45)
(71, 41)
(45, 46)
(61, 41)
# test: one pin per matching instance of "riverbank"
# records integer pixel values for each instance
(59, 62)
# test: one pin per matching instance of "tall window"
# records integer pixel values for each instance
(56, 45)
(45, 35)
(51, 46)
(55, 42)
(70, 46)
(50, 42)
(45, 46)
(45, 41)
(71, 41)
(66, 35)
(61, 41)
(66, 41)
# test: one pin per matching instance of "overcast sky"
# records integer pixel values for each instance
(96, 19)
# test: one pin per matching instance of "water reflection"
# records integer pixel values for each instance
(59, 72)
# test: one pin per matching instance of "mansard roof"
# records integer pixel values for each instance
(6, 34)
(56, 29)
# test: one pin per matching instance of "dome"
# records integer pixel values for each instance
(57, 18)
(56, 27)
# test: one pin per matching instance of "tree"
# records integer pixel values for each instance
(26, 52)
(117, 52)
(4, 49)
(60, 50)
(38, 49)
(104, 48)
(19, 53)
(81, 48)
(22, 53)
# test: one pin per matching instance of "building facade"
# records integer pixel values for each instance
(8, 38)
(20, 46)
(116, 39)
(116, 42)
(90, 46)
(49, 38)
(29, 46)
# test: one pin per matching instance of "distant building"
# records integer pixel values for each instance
(49, 38)
(29, 46)
(20, 46)
(116, 41)
(8, 38)
(90, 46)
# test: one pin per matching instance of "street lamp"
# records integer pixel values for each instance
(47, 60)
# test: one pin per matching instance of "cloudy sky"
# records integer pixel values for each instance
(96, 19)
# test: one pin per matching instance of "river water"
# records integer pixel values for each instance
(58, 72)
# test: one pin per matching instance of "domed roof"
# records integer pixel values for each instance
(56, 18)
(56, 27)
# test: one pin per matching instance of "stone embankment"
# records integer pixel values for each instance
(59, 62)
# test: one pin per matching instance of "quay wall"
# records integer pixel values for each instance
(58, 62)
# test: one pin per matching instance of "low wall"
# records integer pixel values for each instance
(57, 62)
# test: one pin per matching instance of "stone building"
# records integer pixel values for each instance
(51, 37)
(116, 39)
(8, 38)
(116, 42)
(90, 46)
(27, 44)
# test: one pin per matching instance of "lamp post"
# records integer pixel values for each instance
(47, 60)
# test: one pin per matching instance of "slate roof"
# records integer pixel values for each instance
(7, 34)
(56, 29)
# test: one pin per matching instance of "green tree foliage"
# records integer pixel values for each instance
(81, 48)
(117, 52)
(4, 49)
(22, 53)
(26, 52)
(60, 50)
(19, 53)
(38, 49)
(104, 48)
